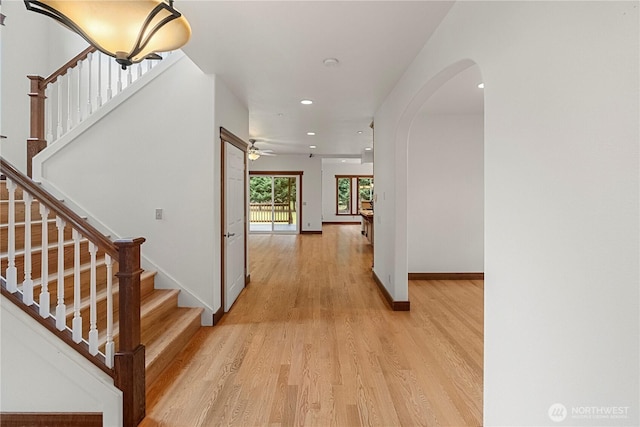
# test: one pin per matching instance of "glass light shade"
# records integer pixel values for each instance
(128, 30)
(253, 155)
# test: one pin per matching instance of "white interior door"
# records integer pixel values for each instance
(234, 227)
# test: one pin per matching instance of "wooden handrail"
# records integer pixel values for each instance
(73, 62)
(129, 363)
(69, 216)
(36, 141)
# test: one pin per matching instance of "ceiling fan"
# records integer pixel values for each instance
(254, 152)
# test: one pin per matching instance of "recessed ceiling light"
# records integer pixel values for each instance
(313, 146)
(344, 161)
(331, 62)
(306, 102)
(359, 132)
(311, 133)
(481, 86)
(368, 149)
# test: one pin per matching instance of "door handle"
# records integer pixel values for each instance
(230, 235)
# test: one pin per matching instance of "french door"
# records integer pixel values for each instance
(274, 203)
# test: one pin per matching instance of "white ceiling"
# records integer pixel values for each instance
(271, 56)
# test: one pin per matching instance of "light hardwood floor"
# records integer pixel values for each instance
(311, 342)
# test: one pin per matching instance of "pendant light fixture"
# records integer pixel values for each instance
(253, 154)
(128, 30)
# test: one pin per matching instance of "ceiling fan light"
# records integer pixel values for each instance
(252, 155)
(128, 30)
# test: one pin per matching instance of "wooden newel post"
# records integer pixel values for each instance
(36, 141)
(129, 364)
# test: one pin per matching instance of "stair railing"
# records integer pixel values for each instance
(74, 92)
(46, 264)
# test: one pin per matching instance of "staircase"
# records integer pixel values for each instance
(71, 263)
(86, 288)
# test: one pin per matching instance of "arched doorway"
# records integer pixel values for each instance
(445, 182)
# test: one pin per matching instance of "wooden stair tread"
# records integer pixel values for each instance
(167, 338)
(157, 303)
(170, 326)
(150, 300)
(51, 246)
(34, 221)
(101, 294)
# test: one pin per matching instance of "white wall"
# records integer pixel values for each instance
(32, 44)
(445, 194)
(561, 198)
(233, 115)
(331, 168)
(156, 150)
(311, 183)
(40, 373)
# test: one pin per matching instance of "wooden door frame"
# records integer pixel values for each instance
(226, 136)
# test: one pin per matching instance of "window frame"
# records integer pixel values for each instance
(353, 179)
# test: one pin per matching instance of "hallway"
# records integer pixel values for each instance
(311, 341)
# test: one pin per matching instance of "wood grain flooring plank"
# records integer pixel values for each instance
(311, 343)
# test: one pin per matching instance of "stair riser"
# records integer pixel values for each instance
(147, 283)
(146, 288)
(101, 309)
(101, 314)
(4, 193)
(85, 277)
(154, 369)
(36, 258)
(149, 319)
(19, 212)
(36, 235)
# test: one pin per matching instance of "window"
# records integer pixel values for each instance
(273, 202)
(344, 195)
(351, 191)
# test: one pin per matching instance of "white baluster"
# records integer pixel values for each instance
(77, 317)
(61, 308)
(110, 346)
(69, 112)
(129, 75)
(109, 91)
(119, 86)
(93, 316)
(139, 69)
(49, 109)
(27, 285)
(12, 271)
(44, 255)
(79, 92)
(89, 72)
(60, 130)
(149, 65)
(99, 97)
